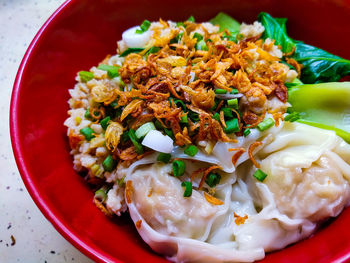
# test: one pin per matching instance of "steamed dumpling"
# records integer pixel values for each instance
(306, 175)
(159, 199)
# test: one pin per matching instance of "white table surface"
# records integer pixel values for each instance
(36, 239)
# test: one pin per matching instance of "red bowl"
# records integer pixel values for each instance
(79, 35)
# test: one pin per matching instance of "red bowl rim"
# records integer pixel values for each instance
(60, 226)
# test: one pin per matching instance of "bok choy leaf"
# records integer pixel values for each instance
(319, 65)
(325, 105)
(275, 28)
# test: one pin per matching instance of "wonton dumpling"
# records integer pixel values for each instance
(305, 174)
(159, 199)
(179, 227)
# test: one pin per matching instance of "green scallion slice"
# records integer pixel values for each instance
(216, 116)
(201, 45)
(178, 168)
(87, 114)
(260, 175)
(144, 129)
(109, 163)
(178, 24)
(232, 126)
(191, 150)
(213, 179)
(153, 50)
(169, 133)
(112, 71)
(145, 25)
(234, 91)
(85, 76)
(220, 91)
(180, 103)
(158, 125)
(188, 188)
(246, 132)
(184, 119)
(266, 124)
(164, 157)
(191, 19)
(137, 145)
(101, 194)
(131, 50)
(227, 113)
(194, 116)
(176, 39)
(292, 117)
(198, 36)
(88, 133)
(233, 103)
(105, 122)
(114, 104)
(125, 136)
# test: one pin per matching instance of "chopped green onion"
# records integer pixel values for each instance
(158, 125)
(169, 133)
(87, 114)
(234, 91)
(233, 103)
(216, 116)
(144, 129)
(153, 50)
(88, 133)
(292, 117)
(96, 171)
(184, 119)
(137, 145)
(109, 163)
(101, 194)
(246, 132)
(131, 50)
(125, 136)
(227, 112)
(85, 76)
(260, 175)
(213, 179)
(266, 124)
(114, 103)
(182, 104)
(191, 19)
(220, 91)
(188, 188)
(232, 126)
(164, 157)
(105, 122)
(145, 25)
(198, 36)
(177, 38)
(230, 38)
(191, 150)
(194, 116)
(178, 24)
(178, 168)
(201, 45)
(112, 71)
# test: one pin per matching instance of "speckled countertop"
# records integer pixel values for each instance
(25, 234)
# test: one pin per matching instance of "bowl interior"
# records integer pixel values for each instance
(79, 35)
